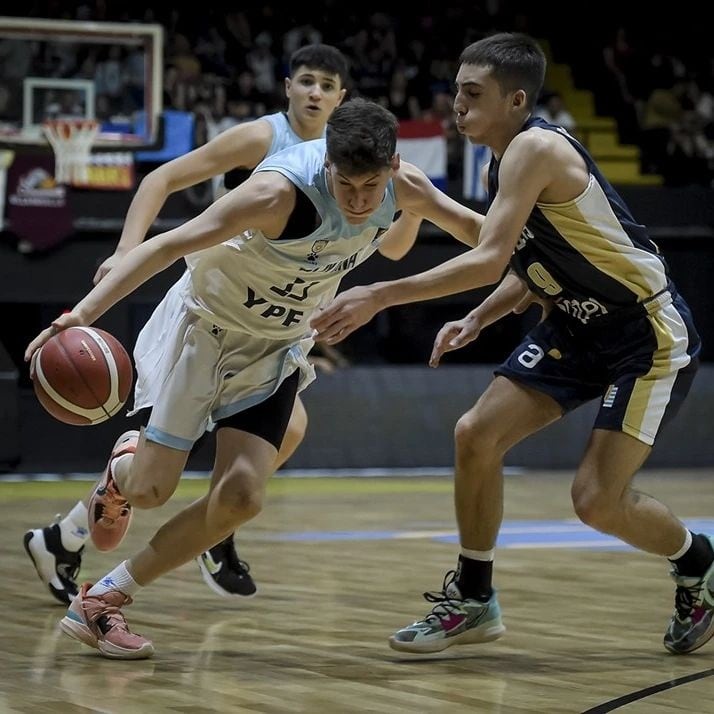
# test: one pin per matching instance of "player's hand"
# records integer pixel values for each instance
(453, 336)
(109, 264)
(348, 311)
(65, 320)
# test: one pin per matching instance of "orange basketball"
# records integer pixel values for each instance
(83, 376)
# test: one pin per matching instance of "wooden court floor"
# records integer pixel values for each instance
(340, 563)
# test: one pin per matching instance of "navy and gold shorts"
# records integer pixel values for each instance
(641, 367)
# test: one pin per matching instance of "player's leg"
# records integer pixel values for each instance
(148, 475)
(658, 370)
(533, 388)
(225, 573)
(604, 498)
(243, 464)
(467, 610)
(294, 434)
(56, 551)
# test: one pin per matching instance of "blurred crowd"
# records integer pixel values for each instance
(227, 64)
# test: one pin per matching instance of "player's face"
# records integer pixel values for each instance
(357, 197)
(313, 94)
(482, 109)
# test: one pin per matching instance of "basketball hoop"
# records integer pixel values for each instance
(71, 141)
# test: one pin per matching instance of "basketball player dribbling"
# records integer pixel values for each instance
(316, 86)
(261, 261)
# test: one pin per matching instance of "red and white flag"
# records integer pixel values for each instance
(423, 143)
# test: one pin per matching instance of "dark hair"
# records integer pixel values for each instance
(515, 60)
(325, 57)
(361, 137)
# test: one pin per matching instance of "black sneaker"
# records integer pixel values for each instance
(224, 572)
(57, 567)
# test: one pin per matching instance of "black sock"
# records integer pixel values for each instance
(474, 578)
(697, 560)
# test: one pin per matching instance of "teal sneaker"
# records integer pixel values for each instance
(453, 620)
(692, 624)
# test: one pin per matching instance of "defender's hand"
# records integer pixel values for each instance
(453, 336)
(348, 311)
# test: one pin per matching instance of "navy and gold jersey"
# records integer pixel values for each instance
(588, 255)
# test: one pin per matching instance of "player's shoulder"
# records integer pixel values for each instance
(537, 146)
(535, 139)
(258, 132)
(409, 178)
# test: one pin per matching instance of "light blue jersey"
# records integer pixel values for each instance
(283, 137)
(283, 134)
(238, 322)
(270, 288)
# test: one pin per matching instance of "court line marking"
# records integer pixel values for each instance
(647, 691)
(526, 534)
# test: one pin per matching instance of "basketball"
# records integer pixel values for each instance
(83, 376)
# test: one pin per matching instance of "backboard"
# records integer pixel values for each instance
(65, 69)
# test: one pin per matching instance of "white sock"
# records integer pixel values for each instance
(486, 555)
(74, 528)
(118, 579)
(685, 547)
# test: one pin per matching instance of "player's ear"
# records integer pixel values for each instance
(343, 92)
(327, 163)
(520, 98)
(288, 84)
(395, 162)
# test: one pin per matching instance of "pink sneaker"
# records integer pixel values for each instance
(109, 511)
(97, 621)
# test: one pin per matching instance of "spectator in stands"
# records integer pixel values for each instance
(623, 75)
(689, 153)
(662, 110)
(243, 99)
(551, 107)
(183, 73)
(399, 99)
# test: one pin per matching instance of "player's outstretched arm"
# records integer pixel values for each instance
(241, 145)
(506, 298)
(263, 202)
(417, 195)
(524, 173)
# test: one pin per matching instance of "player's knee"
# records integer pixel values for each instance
(145, 493)
(593, 507)
(238, 496)
(475, 438)
(138, 482)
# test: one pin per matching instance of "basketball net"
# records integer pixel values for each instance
(71, 141)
